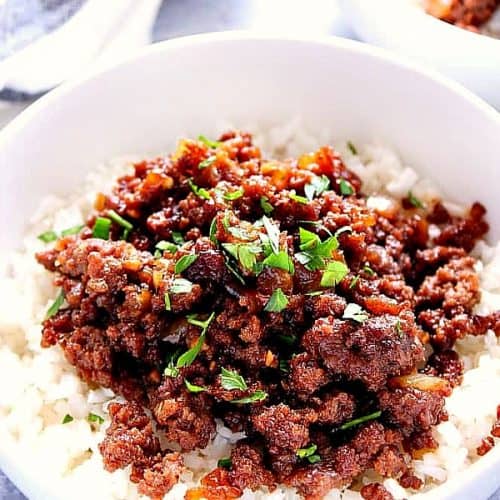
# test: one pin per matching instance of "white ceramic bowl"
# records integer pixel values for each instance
(403, 26)
(187, 86)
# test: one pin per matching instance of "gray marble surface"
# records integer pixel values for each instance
(187, 17)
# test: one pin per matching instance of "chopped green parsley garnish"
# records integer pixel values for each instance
(345, 187)
(316, 187)
(181, 285)
(414, 200)
(190, 355)
(368, 270)
(56, 305)
(309, 453)
(101, 229)
(51, 235)
(277, 302)
(212, 233)
(184, 262)
(207, 162)
(355, 312)
(225, 463)
(354, 282)
(193, 388)
(360, 420)
(314, 251)
(165, 246)
(399, 328)
(280, 260)
(351, 147)
(208, 142)
(231, 380)
(177, 238)
(168, 305)
(298, 198)
(334, 273)
(72, 230)
(288, 339)
(199, 191)
(67, 419)
(284, 365)
(93, 418)
(265, 205)
(245, 253)
(258, 395)
(204, 324)
(273, 232)
(47, 236)
(234, 195)
(118, 219)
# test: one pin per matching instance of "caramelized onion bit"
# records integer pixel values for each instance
(422, 382)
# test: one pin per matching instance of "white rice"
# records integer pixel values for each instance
(39, 387)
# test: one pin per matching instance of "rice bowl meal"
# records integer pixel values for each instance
(267, 316)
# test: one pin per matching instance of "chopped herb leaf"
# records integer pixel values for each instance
(234, 195)
(118, 219)
(298, 198)
(171, 371)
(93, 418)
(231, 380)
(354, 281)
(246, 256)
(355, 312)
(47, 236)
(225, 463)
(399, 328)
(208, 142)
(184, 262)
(101, 228)
(313, 294)
(177, 238)
(316, 187)
(318, 224)
(280, 260)
(189, 356)
(199, 191)
(265, 205)
(204, 324)
(277, 302)
(56, 305)
(368, 270)
(240, 233)
(235, 272)
(181, 285)
(168, 305)
(207, 162)
(284, 366)
(72, 230)
(345, 187)
(288, 339)
(193, 388)
(273, 233)
(351, 147)
(307, 452)
(313, 459)
(212, 232)
(414, 200)
(334, 273)
(167, 246)
(360, 420)
(257, 396)
(67, 419)
(308, 239)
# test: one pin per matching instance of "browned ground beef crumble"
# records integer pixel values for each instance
(339, 349)
(468, 14)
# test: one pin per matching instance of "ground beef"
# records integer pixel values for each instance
(268, 294)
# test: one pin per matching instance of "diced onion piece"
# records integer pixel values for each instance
(422, 382)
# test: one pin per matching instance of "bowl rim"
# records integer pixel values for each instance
(352, 46)
(9, 132)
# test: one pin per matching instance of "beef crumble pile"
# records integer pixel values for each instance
(468, 14)
(218, 284)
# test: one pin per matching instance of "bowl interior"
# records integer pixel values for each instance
(189, 86)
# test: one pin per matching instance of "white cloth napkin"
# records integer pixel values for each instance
(100, 31)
